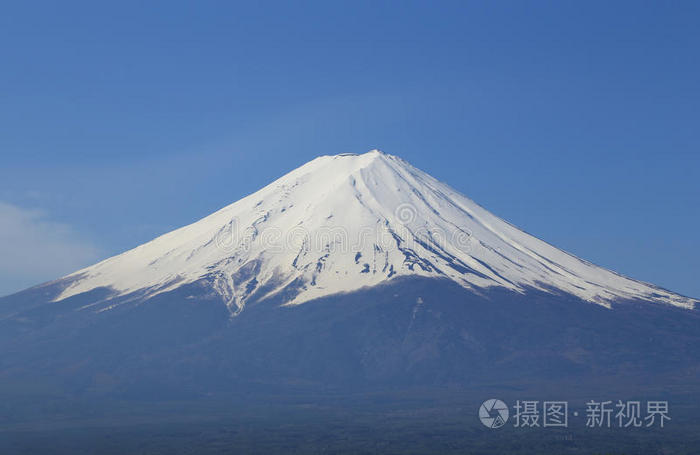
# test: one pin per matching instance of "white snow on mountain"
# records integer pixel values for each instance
(340, 223)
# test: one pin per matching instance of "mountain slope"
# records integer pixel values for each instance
(341, 223)
(355, 272)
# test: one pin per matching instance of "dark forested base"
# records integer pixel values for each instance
(400, 368)
(411, 422)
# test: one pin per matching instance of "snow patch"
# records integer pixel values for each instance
(341, 223)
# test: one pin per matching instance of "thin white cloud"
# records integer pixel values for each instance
(34, 249)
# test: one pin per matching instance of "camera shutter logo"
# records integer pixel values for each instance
(493, 413)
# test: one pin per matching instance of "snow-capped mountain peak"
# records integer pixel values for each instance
(340, 223)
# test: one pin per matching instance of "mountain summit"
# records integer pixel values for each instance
(352, 272)
(345, 222)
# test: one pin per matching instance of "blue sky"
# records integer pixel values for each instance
(576, 121)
